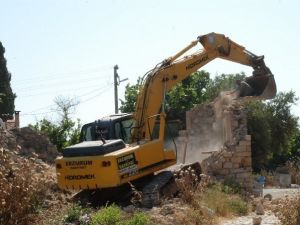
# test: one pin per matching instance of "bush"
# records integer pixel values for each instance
(231, 186)
(73, 214)
(238, 206)
(110, 215)
(138, 219)
(23, 187)
(289, 211)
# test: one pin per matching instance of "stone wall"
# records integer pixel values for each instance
(216, 135)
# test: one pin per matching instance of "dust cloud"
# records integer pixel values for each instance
(208, 129)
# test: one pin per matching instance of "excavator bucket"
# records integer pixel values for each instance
(261, 84)
(270, 88)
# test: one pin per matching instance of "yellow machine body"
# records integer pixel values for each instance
(147, 155)
(113, 169)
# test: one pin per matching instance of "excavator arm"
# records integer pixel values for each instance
(164, 76)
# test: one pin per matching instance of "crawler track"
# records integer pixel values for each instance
(151, 193)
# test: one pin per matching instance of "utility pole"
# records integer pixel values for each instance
(117, 82)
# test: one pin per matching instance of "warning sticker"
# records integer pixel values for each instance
(127, 165)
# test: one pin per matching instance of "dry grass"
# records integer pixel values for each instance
(208, 199)
(294, 170)
(24, 185)
(287, 210)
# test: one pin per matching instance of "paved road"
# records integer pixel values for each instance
(281, 192)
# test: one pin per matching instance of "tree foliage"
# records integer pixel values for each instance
(185, 95)
(223, 82)
(195, 89)
(7, 97)
(274, 130)
(182, 97)
(131, 93)
(65, 131)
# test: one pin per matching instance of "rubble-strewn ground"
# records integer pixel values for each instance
(268, 219)
(27, 184)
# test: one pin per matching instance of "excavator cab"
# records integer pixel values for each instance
(261, 84)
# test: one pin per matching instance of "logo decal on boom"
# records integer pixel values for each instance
(203, 59)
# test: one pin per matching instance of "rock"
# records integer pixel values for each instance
(259, 209)
(85, 219)
(60, 198)
(268, 197)
(256, 220)
(166, 210)
(129, 209)
(39, 161)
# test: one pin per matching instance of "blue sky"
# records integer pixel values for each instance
(69, 48)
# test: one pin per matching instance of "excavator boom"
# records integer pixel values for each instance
(174, 69)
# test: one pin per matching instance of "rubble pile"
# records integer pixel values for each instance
(26, 183)
(216, 135)
(28, 142)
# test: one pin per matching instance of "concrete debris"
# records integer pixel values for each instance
(268, 197)
(259, 209)
(29, 143)
(257, 220)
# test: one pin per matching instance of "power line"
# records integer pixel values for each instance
(48, 84)
(97, 94)
(69, 73)
(31, 113)
(37, 114)
(36, 92)
(69, 87)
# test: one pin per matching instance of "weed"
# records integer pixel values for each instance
(224, 204)
(231, 186)
(294, 169)
(73, 214)
(24, 185)
(288, 211)
(138, 218)
(238, 206)
(110, 215)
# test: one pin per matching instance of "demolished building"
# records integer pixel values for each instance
(216, 135)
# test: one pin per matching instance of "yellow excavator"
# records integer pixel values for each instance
(98, 163)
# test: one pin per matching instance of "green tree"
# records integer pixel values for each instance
(274, 130)
(284, 126)
(223, 82)
(65, 131)
(295, 148)
(131, 93)
(185, 95)
(7, 97)
(182, 97)
(258, 121)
